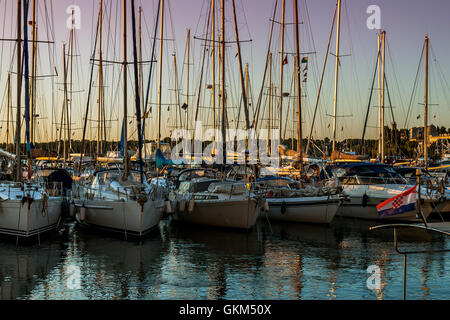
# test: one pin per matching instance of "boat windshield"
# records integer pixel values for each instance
(366, 174)
(195, 186)
(105, 178)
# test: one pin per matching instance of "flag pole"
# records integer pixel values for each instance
(419, 200)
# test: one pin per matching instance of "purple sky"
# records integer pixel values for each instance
(406, 22)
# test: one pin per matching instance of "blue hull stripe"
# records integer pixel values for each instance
(402, 209)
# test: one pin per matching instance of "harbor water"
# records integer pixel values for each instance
(282, 261)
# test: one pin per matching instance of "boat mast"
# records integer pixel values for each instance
(100, 82)
(177, 93)
(27, 87)
(160, 74)
(187, 79)
(299, 89)
(425, 128)
(336, 73)
(379, 93)
(383, 41)
(125, 109)
(269, 119)
(137, 91)
(33, 77)
(70, 91)
(8, 111)
(65, 104)
(280, 107)
(222, 70)
(18, 177)
(213, 68)
(141, 71)
(241, 72)
(247, 85)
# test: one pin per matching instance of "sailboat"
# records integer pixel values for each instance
(289, 199)
(27, 207)
(369, 184)
(217, 202)
(120, 200)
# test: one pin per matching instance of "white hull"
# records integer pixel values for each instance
(120, 216)
(17, 220)
(355, 208)
(303, 209)
(239, 214)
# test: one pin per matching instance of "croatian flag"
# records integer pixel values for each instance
(403, 202)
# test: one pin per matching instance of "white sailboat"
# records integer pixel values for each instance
(112, 204)
(32, 207)
(368, 185)
(288, 201)
(212, 202)
(119, 200)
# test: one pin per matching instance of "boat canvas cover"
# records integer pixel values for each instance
(403, 202)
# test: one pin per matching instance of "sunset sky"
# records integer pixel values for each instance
(406, 22)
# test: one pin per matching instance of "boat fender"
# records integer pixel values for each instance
(72, 209)
(182, 205)
(167, 206)
(191, 205)
(365, 199)
(283, 207)
(83, 213)
(266, 206)
(44, 203)
(442, 187)
(429, 187)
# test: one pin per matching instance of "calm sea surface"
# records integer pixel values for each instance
(276, 261)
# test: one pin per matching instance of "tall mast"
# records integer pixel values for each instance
(336, 73)
(299, 90)
(269, 119)
(100, 82)
(141, 71)
(222, 70)
(187, 78)
(379, 93)
(213, 68)
(125, 98)
(425, 128)
(19, 91)
(27, 87)
(177, 96)
(160, 73)
(247, 84)
(8, 111)
(65, 104)
(70, 91)
(280, 107)
(241, 73)
(137, 91)
(383, 40)
(33, 77)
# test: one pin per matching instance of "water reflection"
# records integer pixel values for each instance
(23, 268)
(277, 260)
(215, 263)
